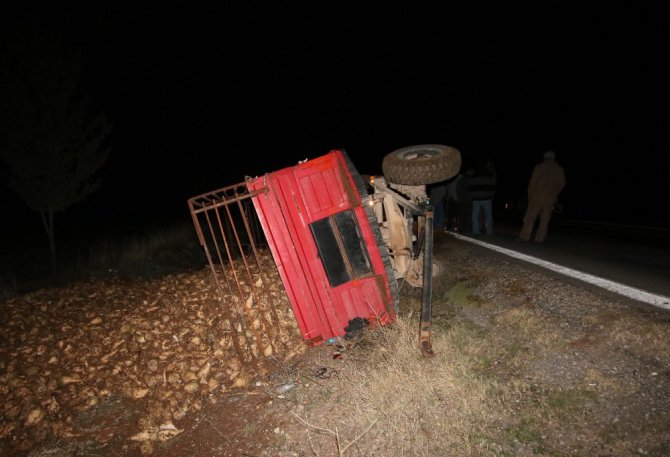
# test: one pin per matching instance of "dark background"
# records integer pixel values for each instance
(203, 93)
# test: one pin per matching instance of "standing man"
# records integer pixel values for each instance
(482, 189)
(546, 182)
(453, 203)
(437, 193)
(464, 203)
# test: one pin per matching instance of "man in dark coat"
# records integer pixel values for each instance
(464, 203)
(482, 189)
(438, 195)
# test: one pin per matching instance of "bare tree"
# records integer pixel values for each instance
(51, 143)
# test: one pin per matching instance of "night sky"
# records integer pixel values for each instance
(201, 94)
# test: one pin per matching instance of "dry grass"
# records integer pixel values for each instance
(653, 338)
(391, 401)
(507, 380)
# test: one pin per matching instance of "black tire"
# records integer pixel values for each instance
(362, 188)
(421, 164)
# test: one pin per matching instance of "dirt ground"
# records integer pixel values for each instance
(272, 412)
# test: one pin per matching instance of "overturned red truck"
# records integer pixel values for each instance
(340, 243)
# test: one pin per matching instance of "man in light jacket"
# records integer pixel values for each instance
(546, 183)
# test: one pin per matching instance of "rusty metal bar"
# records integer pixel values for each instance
(426, 308)
(223, 202)
(218, 250)
(218, 191)
(239, 288)
(252, 243)
(203, 243)
(229, 215)
(239, 243)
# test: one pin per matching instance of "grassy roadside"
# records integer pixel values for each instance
(525, 365)
(519, 371)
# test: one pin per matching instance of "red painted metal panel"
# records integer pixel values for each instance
(294, 211)
(296, 197)
(280, 234)
(363, 298)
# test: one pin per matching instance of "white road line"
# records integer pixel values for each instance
(621, 289)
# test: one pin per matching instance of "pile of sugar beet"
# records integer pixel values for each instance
(170, 342)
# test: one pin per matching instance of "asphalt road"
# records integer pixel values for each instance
(628, 260)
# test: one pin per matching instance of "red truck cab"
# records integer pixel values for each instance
(326, 243)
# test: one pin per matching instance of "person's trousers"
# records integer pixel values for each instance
(487, 207)
(465, 216)
(453, 212)
(535, 209)
(439, 215)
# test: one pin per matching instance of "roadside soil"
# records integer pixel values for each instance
(268, 414)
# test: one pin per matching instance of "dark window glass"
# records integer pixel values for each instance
(341, 248)
(353, 243)
(329, 251)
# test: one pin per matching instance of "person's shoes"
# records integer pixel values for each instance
(520, 240)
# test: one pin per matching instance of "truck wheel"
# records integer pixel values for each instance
(361, 186)
(421, 164)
